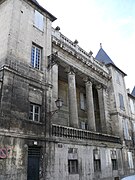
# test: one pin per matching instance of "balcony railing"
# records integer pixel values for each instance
(74, 133)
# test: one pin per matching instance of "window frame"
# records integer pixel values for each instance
(73, 166)
(82, 101)
(33, 113)
(121, 102)
(114, 164)
(38, 20)
(36, 55)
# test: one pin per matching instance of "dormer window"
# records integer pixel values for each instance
(38, 21)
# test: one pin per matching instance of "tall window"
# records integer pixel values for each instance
(36, 56)
(97, 162)
(117, 77)
(132, 106)
(126, 129)
(114, 160)
(130, 160)
(38, 22)
(72, 161)
(82, 101)
(73, 166)
(121, 101)
(34, 113)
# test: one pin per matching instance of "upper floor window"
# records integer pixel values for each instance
(132, 106)
(82, 101)
(130, 160)
(126, 129)
(117, 77)
(38, 20)
(34, 113)
(36, 56)
(121, 100)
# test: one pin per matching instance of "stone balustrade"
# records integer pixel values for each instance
(74, 133)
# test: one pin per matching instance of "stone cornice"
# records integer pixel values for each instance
(87, 59)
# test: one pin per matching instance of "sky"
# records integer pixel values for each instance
(91, 22)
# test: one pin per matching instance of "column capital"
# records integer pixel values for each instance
(70, 70)
(88, 80)
(100, 86)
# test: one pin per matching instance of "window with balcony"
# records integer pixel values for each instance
(36, 56)
(38, 21)
(34, 113)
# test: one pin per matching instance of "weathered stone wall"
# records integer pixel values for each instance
(58, 164)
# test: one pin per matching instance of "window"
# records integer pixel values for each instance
(97, 162)
(126, 129)
(130, 160)
(82, 101)
(72, 161)
(73, 166)
(38, 20)
(121, 101)
(83, 125)
(132, 106)
(114, 164)
(35, 56)
(117, 77)
(34, 113)
(97, 165)
(114, 160)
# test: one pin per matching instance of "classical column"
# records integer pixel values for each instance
(102, 107)
(73, 111)
(90, 106)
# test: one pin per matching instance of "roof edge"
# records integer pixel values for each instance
(53, 18)
(116, 68)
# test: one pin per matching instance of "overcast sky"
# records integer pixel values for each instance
(91, 22)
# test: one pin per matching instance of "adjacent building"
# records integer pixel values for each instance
(92, 135)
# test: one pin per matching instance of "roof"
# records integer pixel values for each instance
(35, 2)
(103, 57)
(52, 18)
(133, 92)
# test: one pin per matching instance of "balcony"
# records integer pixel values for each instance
(74, 133)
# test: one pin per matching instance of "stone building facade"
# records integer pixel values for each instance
(91, 136)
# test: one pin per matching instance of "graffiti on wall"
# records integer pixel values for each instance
(7, 152)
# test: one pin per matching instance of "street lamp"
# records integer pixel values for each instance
(59, 104)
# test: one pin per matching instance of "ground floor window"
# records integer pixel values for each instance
(73, 166)
(114, 164)
(97, 165)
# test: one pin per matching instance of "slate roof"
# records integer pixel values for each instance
(35, 2)
(103, 57)
(133, 92)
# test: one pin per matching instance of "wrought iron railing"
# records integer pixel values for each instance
(74, 133)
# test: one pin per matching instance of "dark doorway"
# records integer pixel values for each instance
(33, 163)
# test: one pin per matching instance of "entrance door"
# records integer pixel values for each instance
(33, 163)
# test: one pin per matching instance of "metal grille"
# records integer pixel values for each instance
(34, 151)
